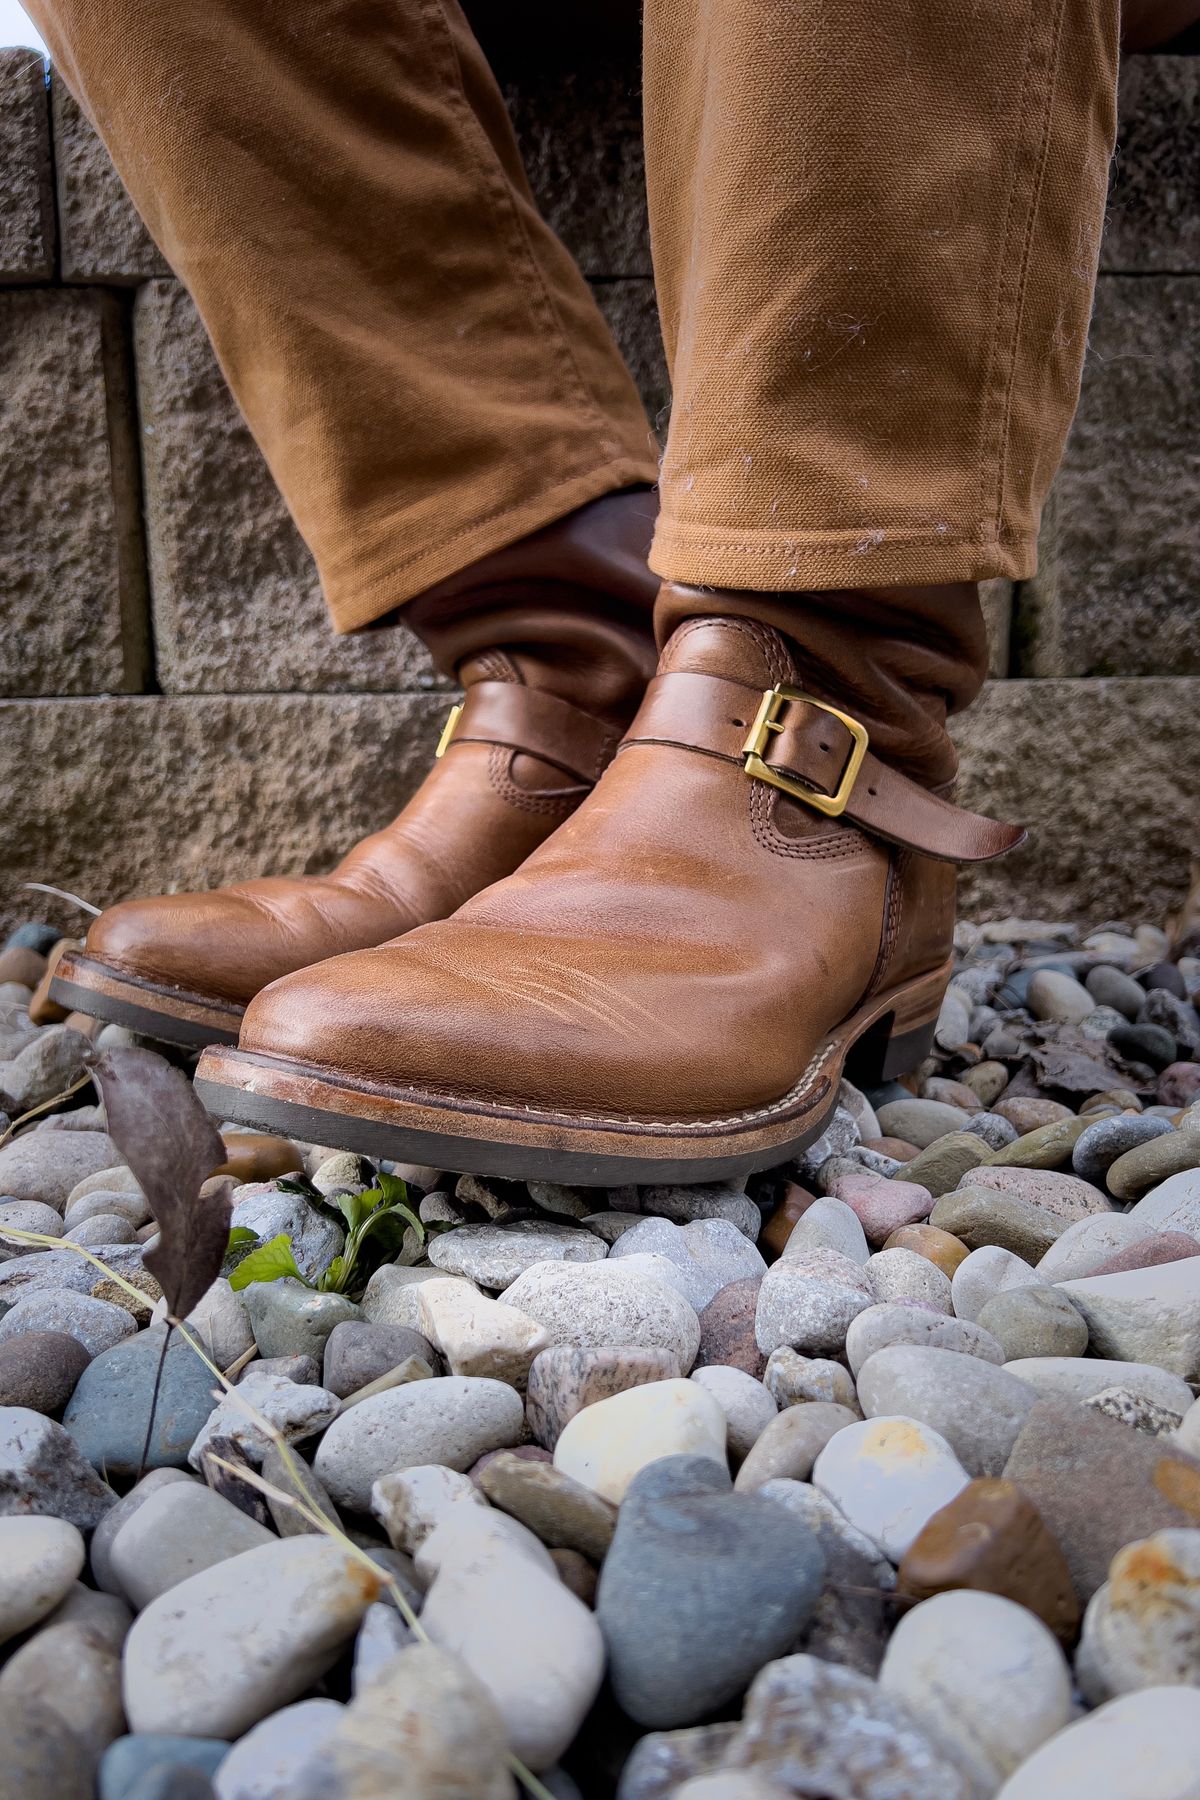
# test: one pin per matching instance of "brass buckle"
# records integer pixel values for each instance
(448, 730)
(769, 719)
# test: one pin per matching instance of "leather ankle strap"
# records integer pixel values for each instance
(533, 722)
(816, 754)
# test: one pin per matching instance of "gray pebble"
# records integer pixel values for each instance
(1102, 1143)
(1035, 1322)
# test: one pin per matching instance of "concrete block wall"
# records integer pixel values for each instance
(176, 711)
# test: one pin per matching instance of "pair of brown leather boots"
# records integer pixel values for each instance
(633, 926)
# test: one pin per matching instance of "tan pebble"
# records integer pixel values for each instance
(256, 1156)
(953, 1093)
(1028, 1112)
(108, 1289)
(898, 1148)
(576, 1572)
(937, 1246)
(22, 965)
(1121, 1098)
(42, 1009)
(992, 1538)
(1143, 1167)
(791, 1444)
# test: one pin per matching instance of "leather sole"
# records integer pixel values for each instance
(86, 984)
(886, 1036)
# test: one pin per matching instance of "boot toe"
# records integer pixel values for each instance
(191, 942)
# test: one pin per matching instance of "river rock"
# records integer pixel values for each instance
(790, 1445)
(295, 1409)
(561, 1512)
(494, 1255)
(424, 1714)
(976, 1407)
(889, 1476)
(1080, 1378)
(1138, 1745)
(1087, 1243)
(944, 1251)
(603, 1306)
(357, 1353)
(1152, 1165)
(1065, 1196)
(943, 1164)
(289, 1319)
(1142, 1626)
(606, 1444)
(1099, 1146)
(451, 1419)
(179, 1530)
(727, 1332)
(96, 1324)
(221, 1325)
(980, 1216)
(268, 1210)
(43, 1472)
(708, 1253)
(48, 1165)
(218, 1652)
(534, 1646)
(1059, 997)
(109, 1412)
(728, 1571)
(882, 1206)
(414, 1502)
(1144, 1315)
(77, 1674)
(1113, 987)
(792, 1379)
(1099, 1485)
(903, 1276)
(563, 1380)
(807, 1301)
(1035, 1322)
(39, 1370)
(983, 1677)
(42, 1270)
(828, 1224)
(27, 1215)
(986, 1272)
(1174, 1205)
(40, 1559)
(843, 1733)
(849, 1623)
(128, 1760)
(265, 1764)
(686, 1204)
(991, 1538)
(899, 1323)
(476, 1335)
(919, 1122)
(749, 1406)
(41, 1760)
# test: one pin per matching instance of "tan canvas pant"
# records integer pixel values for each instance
(875, 233)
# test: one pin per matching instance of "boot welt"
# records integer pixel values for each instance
(885, 1037)
(86, 984)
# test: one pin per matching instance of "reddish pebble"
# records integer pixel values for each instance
(952, 1093)
(782, 1222)
(1027, 1113)
(727, 1329)
(883, 1205)
(899, 1149)
(1163, 1247)
(1179, 1084)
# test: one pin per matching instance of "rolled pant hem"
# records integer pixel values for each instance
(770, 563)
(373, 585)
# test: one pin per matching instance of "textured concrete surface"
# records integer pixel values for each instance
(236, 601)
(101, 237)
(1116, 589)
(26, 181)
(1105, 775)
(110, 797)
(71, 572)
(1153, 217)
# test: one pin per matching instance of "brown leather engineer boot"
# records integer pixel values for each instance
(551, 639)
(759, 891)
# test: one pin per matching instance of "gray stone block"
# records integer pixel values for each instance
(632, 314)
(101, 237)
(236, 601)
(111, 797)
(1119, 570)
(1104, 775)
(26, 180)
(1154, 201)
(580, 132)
(70, 536)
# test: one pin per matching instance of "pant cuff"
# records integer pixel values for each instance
(376, 581)
(768, 562)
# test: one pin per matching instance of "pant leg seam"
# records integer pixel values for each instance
(520, 251)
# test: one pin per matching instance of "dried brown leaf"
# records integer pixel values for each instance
(172, 1146)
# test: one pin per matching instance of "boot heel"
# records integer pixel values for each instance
(900, 1039)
